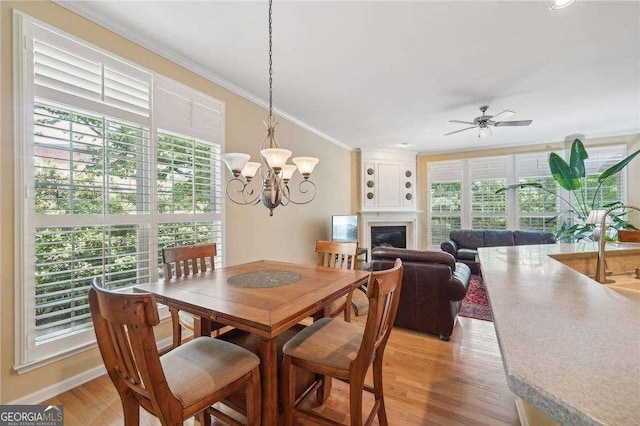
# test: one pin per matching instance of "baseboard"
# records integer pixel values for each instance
(72, 382)
(56, 389)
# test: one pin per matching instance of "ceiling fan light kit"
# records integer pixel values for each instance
(484, 122)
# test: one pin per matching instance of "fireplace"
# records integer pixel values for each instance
(389, 236)
(386, 221)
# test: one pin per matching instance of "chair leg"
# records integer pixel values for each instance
(204, 418)
(254, 402)
(347, 307)
(131, 410)
(288, 390)
(355, 402)
(177, 328)
(378, 390)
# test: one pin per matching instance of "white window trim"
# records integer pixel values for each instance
(25, 357)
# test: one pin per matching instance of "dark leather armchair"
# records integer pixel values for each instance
(433, 286)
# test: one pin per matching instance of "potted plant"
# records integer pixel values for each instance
(572, 177)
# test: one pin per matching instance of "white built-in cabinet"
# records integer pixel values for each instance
(388, 180)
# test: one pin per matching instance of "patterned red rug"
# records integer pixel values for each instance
(476, 304)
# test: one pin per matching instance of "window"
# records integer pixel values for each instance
(600, 159)
(488, 209)
(537, 210)
(108, 179)
(85, 167)
(462, 192)
(445, 198)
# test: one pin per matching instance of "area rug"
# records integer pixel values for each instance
(476, 303)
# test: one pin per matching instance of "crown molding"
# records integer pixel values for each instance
(201, 71)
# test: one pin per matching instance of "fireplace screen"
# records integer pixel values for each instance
(389, 236)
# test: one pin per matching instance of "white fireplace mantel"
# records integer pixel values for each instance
(388, 218)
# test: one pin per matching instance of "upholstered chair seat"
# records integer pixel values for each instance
(333, 343)
(204, 366)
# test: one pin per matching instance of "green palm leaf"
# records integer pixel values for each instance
(617, 167)
(563, 174)
(576, 160)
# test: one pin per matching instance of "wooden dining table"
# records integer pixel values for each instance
(252, 297)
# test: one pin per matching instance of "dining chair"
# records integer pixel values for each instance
(345, 351)
(338, 255)
(179, 384)
(627, 236)
(185, 261)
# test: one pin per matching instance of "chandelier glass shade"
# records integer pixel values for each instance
(273, 169)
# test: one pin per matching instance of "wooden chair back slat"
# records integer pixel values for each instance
(123, 349)
(334, 254)
(188, 260)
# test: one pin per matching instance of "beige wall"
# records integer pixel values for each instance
(632, 141)
(250, 233)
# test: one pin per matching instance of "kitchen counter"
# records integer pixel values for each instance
(570, 346)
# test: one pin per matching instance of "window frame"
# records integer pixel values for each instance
(26, 355)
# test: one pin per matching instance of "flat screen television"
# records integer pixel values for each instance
(344, 228)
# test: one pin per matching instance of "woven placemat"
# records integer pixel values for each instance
(264, 279)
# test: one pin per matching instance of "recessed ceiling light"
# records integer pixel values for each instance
(561, 4)
(404, 144)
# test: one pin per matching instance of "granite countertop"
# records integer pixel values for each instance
(570, 346)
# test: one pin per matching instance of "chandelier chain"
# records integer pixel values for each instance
(270, 62)
(275, 174)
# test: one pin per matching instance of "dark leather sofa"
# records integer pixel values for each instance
(433, 286)
(463, 244)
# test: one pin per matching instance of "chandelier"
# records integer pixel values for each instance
(275, 173)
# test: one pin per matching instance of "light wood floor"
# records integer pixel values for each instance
(426, 382)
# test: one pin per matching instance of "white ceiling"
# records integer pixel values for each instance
(377, 74)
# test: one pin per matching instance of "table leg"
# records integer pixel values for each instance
(268, 354)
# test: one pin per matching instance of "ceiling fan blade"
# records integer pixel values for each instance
(461, 130)
(504, 114)
(461, 122)
(513, 123)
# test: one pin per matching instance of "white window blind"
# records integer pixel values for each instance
(73, 73)
(66, 261)
(600, 159)
(105, 190)
(488, 209)
(445, 198)
(89, 164)
(183, 111)
(536, 209)
(188, 167)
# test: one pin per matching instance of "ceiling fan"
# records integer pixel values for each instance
(484, 122)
